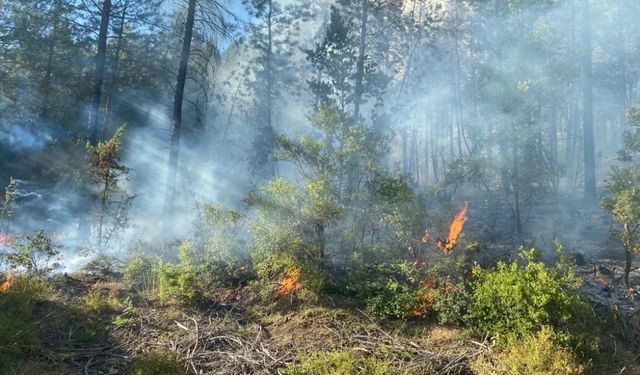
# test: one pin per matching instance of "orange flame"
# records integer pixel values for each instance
(425, 236)
(426, 298)
(291, 283)
(6, 284)
(454, 231)
(6, 240)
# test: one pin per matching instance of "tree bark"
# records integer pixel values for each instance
(359, 89)
(116, 63)
(99, 74)
(176, 119)
(270, 131)
(587, 97)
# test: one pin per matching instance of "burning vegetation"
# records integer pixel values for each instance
(291, 283)
(7, 283)
(447, 245)
(6, 240)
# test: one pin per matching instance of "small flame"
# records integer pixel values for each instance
(426, 236)
(5, 240)
(291, 283)
(426, 298)
(8, 281)
(454, 231)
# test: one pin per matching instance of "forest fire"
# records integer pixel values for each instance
(5, 240)
(447, 245)
(291, 283)
(7, 283)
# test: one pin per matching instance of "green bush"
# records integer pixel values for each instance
(179, 283)
(345, 362)
(537, 354)
(221, 247)
(390, 290)
(18, 336)
(156, 363)
(451, 303)
(142, 273)
(514, 301)
(35, 253)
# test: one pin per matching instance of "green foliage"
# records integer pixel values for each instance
(344, 362)
(101, 298)
(18, 336)
(536, 354)
(128, 315)
(289, 229)
(156, 363)
(142, 273)
(514, 301)
(399, 211)
(451, 303)
(179, 283)
(7, 205)
(388, 290)
(623, 186)
(34, 253)
(221, 246)
(107, 175)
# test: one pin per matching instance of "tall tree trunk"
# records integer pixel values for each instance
(176, 119)
(405, 151)
(271, 163)
(48, 74)
(587, 92)
(515, 186)
(628, 256)
(359, 89)
(99, 76)
(434, 151)
(116, 63)
(414, 155)
(553, 141)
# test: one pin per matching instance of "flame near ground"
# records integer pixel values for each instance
(455, 229)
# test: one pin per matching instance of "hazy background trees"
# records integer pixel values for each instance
(494, 97)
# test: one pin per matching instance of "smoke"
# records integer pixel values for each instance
(468, 82)
(22, 139)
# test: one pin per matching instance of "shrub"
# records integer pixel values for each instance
(179, 282)
(537, 354)
(345, 362)
(274, 268)
(156, 363)
(102, 265)
(394, 290)
(35, 253)
(451, 303)
(514, 301)
(142, 273)
(101, 299)
(18, 337)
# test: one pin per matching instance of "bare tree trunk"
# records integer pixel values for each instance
(628, 256)
(176, 120)
(116, 63)
(414, 155)
(553, 140)
(359, 89)
(99, 77)
(515, 186)
(269, 67)
(48, 75)
(434, 152)
(587, 92)
(405, 151)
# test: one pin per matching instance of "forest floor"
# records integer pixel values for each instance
(95, 325)
(98, 324)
